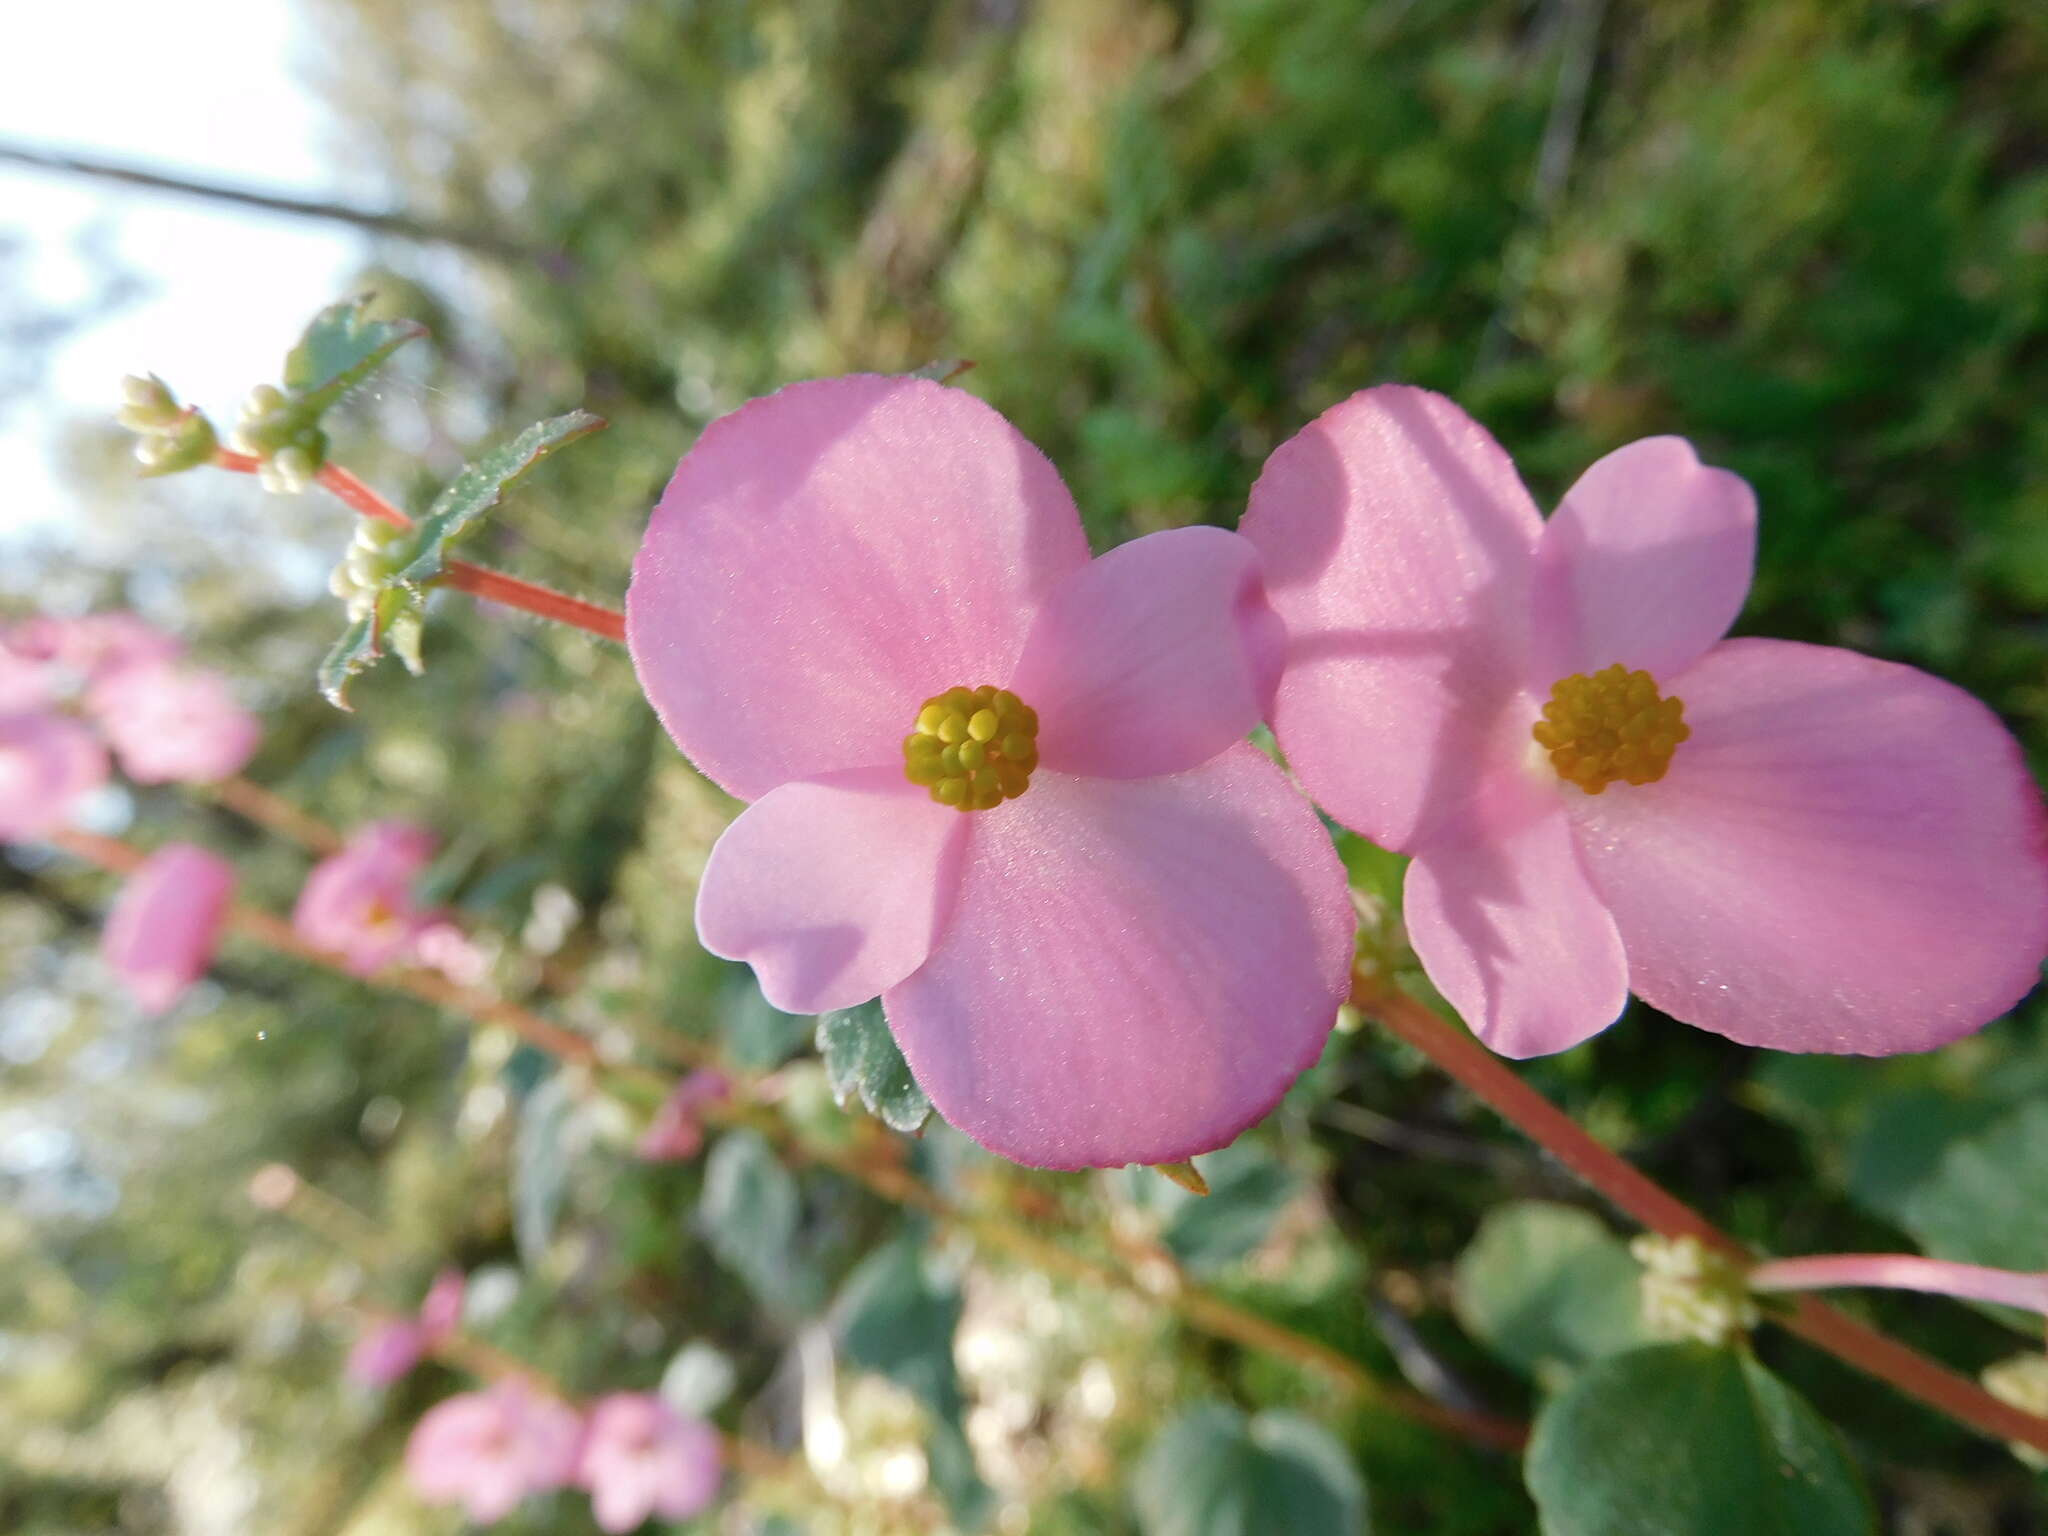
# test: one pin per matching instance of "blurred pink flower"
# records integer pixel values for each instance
(676, 1133)
(1794, 846)
(641, 1457)
(488, 1451)
(173, 724)
(1139, 936)
(24, 684)
(390, 1347)
(358, 903)
(47, 762)
(443, 947)
(166, 923)
(92, 647)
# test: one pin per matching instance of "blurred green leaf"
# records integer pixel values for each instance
(1548, 1288)
(1212, 1472)
(1985, 1198)
(540, 1167)
(341, 347)
(479, 487)
(749, 1213)
(862, 1058)
(759, 1036)
(1248, 1189)
(1688, 1440)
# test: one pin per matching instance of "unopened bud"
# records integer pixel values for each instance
(263, 400)
(293, 468)
(273, 1186)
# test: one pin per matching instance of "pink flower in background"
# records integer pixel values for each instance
(1794, 846)
(47, 762)
(390, 1347)
(444, 947)
(171, 724)
(358, 903)
(24, 684)
(93, 647)
(641, 1458)
(488, 1451)
(676, 1133)
(1001, 784)
(166, 923)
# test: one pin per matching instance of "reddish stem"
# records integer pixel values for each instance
(1495, 1083)
(479, 581)
(254, 803)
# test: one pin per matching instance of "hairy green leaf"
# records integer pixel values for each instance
(341, 347)
(480, 487)
(861, 1057)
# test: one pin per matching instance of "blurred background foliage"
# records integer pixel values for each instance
(1810, 235)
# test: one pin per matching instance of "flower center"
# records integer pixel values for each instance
(973, 748)
(1608, 726)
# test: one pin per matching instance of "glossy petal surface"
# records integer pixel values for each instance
(1135, 969)
(1848, 856)
(830, 556)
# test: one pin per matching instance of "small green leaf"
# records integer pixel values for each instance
(861, 1057)
(1213, 1473)
(1548, 1288)
(1983, 1198)
(1689, 1440)
(479, 488)
(340, 348)
(540, 1167)
(749, 1214)
(397, 615)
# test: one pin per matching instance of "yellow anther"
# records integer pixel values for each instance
(973, 748)
(1610, 726)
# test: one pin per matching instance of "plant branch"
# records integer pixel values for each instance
(271, 811)
(1492, 1081)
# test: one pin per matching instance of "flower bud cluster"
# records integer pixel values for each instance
(376, 553)
(168, 437)
(278, 430)
(1691, 1292)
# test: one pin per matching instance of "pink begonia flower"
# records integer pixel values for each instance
(25, 684)
(166, 923)
(392, 1346)
(862, 596)
(1904, 1272)
(488, 1451)
(442, 946)
(47, 762)
(676, 1132)
(173, 724)
(358, 903)
(641, 1457)
(1806, 849)
(93, 647)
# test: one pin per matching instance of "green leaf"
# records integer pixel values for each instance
(749, 1214)
(397, 616)
(540, 1167)
(1688, 1440)
(759, 1037)
(1213, 1473)
(1984, 1197)
(340, 348)
(1248, 1189)
(480, 487)
(1548, 1288)
(861, 1057)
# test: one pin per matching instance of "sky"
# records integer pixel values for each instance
(208, 90)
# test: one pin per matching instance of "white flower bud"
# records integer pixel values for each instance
(263, 400)
(295, 468)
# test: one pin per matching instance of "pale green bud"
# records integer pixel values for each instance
(263, 400)
(1691, 1291)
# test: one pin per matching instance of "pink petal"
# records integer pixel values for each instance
(1512, 933)
(832, 889)
(163, 928)
(384, 1352)
(1398, 546)
(47, 763)
(169, 724)
(358, 903)
(1153, 658)
(1847, 856)
(641, 1457)
(441, 1310)
(1135, 969)
(1646, 562)
(829, 557)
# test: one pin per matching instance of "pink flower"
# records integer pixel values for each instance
(390, 1347)
(443, 947)
(866, 604)
(93, 647)
(358, 903)
(642, 1458)
(170, 724)
(47, 762)
(676, 1133)
(25, 684)
(166, 923)
(1800, 848)
(488, 1451)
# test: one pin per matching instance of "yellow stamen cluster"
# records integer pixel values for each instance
(1610, 726)
(973, 748)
